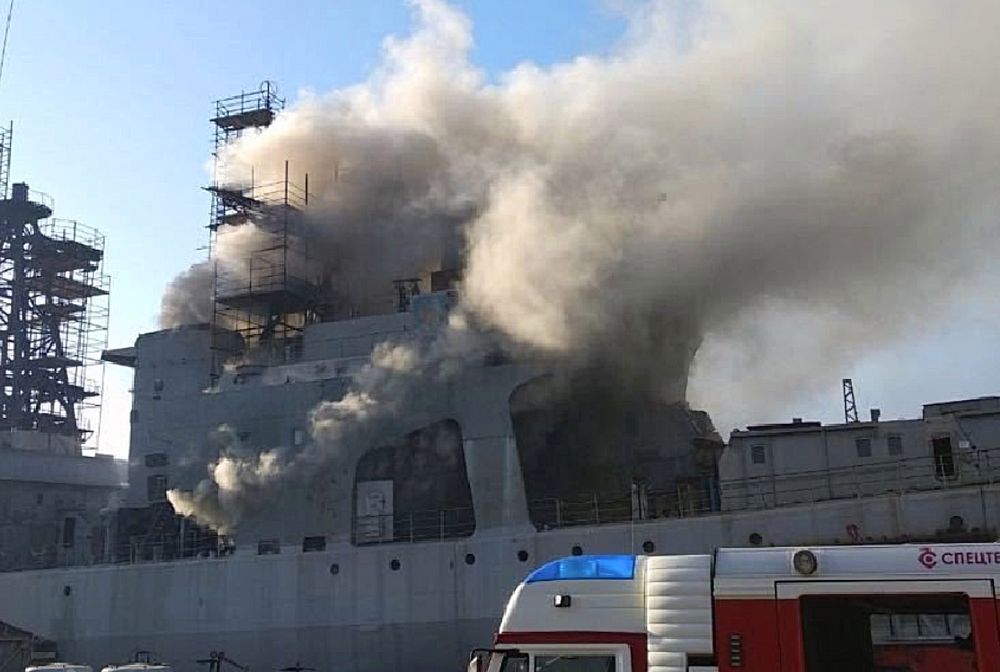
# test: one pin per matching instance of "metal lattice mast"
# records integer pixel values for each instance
(850, 406)
(51, 326)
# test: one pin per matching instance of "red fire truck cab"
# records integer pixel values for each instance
(900, 608)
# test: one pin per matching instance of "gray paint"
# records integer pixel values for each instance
(268, 611)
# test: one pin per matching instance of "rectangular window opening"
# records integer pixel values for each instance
(888, 632)
(944, 458)
(268, 547)
(758, 454)
(154, 460)
(312, 544)
(69, 532)
(895, 443)
(156, 488)
(863, 446)
(574, 663)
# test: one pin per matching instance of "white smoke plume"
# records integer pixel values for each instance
(832, 164)
(188, 298)
(240, 483)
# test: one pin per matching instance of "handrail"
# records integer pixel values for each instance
(914, 474)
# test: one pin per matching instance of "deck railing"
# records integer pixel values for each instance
(903, 475)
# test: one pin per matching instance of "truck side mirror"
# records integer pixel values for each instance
(478, 661)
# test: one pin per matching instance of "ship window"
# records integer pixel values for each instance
(268, 547)
(944, 459)
(69, 532)
(895, 442)
(298, 437)
(414, 489)
(156, 488)
(863, 446)
(310, 544)
(758, 454)
(157, 460)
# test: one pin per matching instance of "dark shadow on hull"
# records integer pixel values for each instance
(593, 454)
(415, 489)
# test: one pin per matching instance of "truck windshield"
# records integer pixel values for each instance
(574, 664)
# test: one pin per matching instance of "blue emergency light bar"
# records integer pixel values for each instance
(614, 567)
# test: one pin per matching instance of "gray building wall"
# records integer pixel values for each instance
(801, 462)
(56, 509)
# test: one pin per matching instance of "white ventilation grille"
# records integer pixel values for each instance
(678, 610)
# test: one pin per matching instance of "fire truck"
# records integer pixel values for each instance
(901, 608)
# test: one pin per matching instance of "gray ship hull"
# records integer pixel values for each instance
(347, 609)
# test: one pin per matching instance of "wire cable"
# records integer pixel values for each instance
(6, 33)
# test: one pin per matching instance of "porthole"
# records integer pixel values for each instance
(577, 550)
(470, 558)
(522, 556)
(67, 591)
(756, 539)
(394, 565)
(648, 546)
(335, 569)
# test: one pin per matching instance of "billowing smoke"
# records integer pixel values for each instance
(830, 164)
(189, 297)
(242, 482)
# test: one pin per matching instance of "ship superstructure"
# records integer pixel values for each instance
(399, 550)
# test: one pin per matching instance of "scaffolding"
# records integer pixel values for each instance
(234, 116)
(53, 318)
(269, 293)
(266, 287)
(6, 137)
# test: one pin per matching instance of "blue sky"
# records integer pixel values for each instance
(111, 101)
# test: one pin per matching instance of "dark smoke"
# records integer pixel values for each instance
(833, 166)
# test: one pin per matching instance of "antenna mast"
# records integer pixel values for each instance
(850, 406)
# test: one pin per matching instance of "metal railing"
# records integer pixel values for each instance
(913, 474)
(429, 525)
(72, 231)
(552, 513)
(904, 475)
(264, 98)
